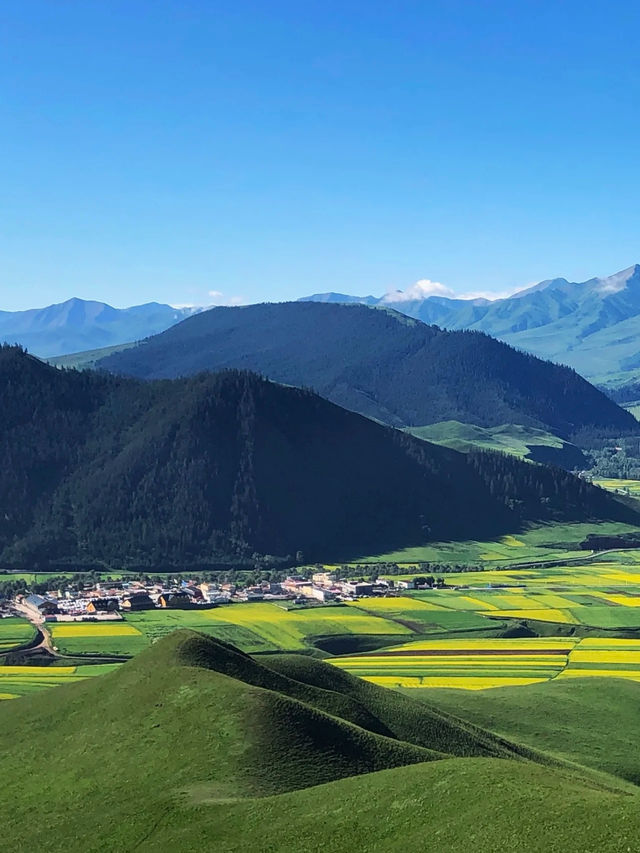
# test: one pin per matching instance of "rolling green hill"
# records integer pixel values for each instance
(212, 469)
(183, 749)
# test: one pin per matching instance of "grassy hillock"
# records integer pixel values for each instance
(404, 718)
(194, 746)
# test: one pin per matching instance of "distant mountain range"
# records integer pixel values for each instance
(215, 468)
(593, 326)
(381, 364)
(77, 325)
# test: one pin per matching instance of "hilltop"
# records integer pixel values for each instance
(193, 744)
(380, 364)
(593, 326)
(214, 468)
(79, 324)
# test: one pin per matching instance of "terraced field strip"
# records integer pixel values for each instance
(612, 658)
(467, 664)
(16, 681)
(605, 596)
(14, 631)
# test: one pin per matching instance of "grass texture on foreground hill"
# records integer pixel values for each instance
(193, 745)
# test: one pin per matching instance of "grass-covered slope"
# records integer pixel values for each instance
(381, 364)
(524, 442)
(219, 466)
(193, 746)
(166, 720)
(590, 721)
(402, 717)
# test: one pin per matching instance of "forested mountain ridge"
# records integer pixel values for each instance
(101, 469)
(381, 364)
(593, 326)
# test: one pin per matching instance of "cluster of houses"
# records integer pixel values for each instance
(108, 599)
(327, 586)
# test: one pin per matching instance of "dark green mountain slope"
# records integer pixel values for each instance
(219, 466)
(169, 753)
(594, 325)
(380, 364)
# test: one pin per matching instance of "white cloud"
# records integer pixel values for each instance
(492, 295)
(216, 297)
(420, 290)
(212, 298)
(425, 288)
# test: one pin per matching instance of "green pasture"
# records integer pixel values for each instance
(626, 487)
(16, 681)
(14, 631)
(535, 544)
(507, 438)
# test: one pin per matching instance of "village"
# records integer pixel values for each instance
(108, 600)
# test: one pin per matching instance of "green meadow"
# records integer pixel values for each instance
(14, 631)
(534, 544)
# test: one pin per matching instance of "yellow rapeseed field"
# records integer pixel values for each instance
(400, 604)
(467, 602)
(459, 683)
(604, 656)
(526, 643)
(93, 629)
(51, 671)
(512, 542)
(549, 615)
(624, 600)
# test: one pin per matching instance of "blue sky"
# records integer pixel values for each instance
(267, 150)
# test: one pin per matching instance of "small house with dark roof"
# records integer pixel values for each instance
(102, 605)
(138, 601)
(177, 599)
(40, 605)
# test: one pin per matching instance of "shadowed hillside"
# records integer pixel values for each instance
(220, 466)
(381, 364)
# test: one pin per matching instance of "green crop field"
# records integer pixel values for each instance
(479, 664)
(14, 631)
(627, 487)
(16, 681)
(252, 627)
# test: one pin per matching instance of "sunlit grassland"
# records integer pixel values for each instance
(252, 627)
(14, 631)
(16, 681)
(535, 544)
